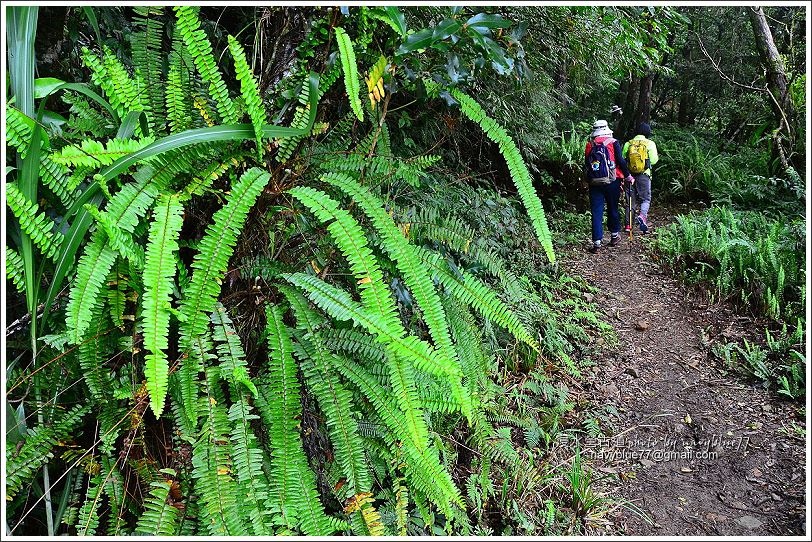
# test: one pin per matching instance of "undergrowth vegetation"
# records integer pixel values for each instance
(292, 271)
(264, 329)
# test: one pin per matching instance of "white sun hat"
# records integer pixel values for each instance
(601, 128)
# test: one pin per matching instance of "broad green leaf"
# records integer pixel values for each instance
(446, 28)
(419, 40)
(485, 22)
(44, 86)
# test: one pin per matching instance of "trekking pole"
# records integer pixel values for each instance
(629, 211)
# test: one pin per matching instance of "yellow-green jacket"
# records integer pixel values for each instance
(651, 147)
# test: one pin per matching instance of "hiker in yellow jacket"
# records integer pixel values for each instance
(641, 153)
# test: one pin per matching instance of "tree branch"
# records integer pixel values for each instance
(723, 74)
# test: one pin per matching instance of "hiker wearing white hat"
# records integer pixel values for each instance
(605, 169)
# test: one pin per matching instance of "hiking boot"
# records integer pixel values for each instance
(627, 228)
(595, 247)
(613, 242)
(642, 223)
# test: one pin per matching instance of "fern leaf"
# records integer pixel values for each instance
(350, 68)
(124, 209)
(22, 464)
(212, 468)
(472, 291)
(15, 269)
(351, 240)
(188, 26)
(293, 480)
(216, 247)
(179, 90)
(414, 274)
(159, 518)
(423, 465)
(148, 58)
(248, 456)
(335, 400)
(250, 92)
(37, 226)
(118, 240)
(94, 154)
(518, 169)
(159, 269)
(89, 514)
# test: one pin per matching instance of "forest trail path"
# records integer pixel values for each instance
(672, 396)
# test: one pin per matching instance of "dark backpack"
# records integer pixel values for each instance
(600, 168)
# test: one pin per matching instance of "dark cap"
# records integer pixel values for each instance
(644, 129)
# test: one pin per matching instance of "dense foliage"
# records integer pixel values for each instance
(289, 270)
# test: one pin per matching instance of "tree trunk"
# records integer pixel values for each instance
(777, 84)
(643, 109)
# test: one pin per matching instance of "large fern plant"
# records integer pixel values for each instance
(142, 222)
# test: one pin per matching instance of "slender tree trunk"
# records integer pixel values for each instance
(777, 84)
(643, 110)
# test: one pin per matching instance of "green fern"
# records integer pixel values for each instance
(37, 226)
(159, 269)
(216, 247)
(212, 466)
(423, 466)
(38, 449)
(93, 154)
(198, 46)
(350, 68)
(89, 514)
(147, 60)
(416, 278)
(518, 169)
(250, 92)
(248, 456)
(279, 402)
(179, 90)
(15, 269)
(160, 518)
(126, 207)
(316, 362)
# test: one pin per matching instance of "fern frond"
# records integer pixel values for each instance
(422, 463)
(291, 476)
(216, 247)
(159, 269)
(248, 457)
(472, 291)
(335, 400)
(85, 118)
(212, 468)
(518, 169)
(126, 207)
(15, 269)
(188, 26)
(38, 448)
(340, 305)
(93, 354)
(89, 514)
(148, 59)
(121, 91)
(356, 345)
(415, 276)
(159, 518)
(94, 154)
(179, 90)
(350, 68)
(37, 226)
(250, 92)
(118, 240)
(349, 237)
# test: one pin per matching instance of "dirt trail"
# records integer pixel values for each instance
(699, 451)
